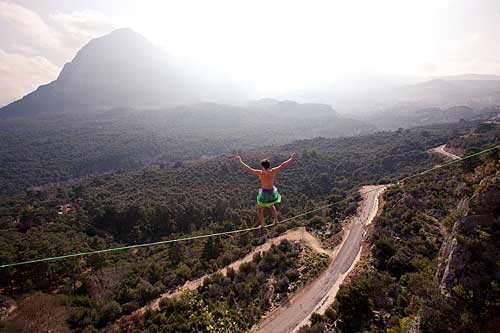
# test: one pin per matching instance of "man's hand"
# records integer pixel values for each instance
(292, 157)
(238, 158)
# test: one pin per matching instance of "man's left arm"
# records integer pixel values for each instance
(285, 164)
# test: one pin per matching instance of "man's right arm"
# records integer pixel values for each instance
(247, 167)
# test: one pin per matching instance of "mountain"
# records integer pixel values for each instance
(436, 101)
(289, 108)
(413, 114)
(467, 77)
(116, 70)
(430, 88)
(449, 92)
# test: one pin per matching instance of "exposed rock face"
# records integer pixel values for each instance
(470, 256)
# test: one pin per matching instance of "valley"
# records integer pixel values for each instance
(151, 204)
(123, 208)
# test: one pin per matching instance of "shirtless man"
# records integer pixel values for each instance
(268, 194)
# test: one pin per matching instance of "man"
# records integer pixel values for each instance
(268, 194)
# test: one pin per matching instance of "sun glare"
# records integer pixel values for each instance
(281, 45)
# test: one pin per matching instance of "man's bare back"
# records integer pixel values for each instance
(266, 178)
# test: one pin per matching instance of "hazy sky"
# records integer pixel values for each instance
(275, 45)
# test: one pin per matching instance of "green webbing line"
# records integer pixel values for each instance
(81, 254)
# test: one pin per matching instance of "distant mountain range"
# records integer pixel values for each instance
(413, 114)
(124, 70)
(467, 77)
(459, 90)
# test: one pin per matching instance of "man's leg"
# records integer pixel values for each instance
(260, 212)
(275, 214)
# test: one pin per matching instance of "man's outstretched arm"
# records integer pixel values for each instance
(285, 164)
(246, 167)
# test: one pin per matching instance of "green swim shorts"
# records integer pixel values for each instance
(267, 198)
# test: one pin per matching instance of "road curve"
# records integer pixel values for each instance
(442, 151)
(319, 294)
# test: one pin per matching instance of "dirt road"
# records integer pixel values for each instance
(295, 234)
(442, 151)
(318, 295)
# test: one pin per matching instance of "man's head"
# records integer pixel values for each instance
(265, 163)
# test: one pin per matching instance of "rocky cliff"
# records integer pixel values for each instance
(469, 261)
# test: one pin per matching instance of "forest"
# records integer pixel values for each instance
(164, 201)
(51, 148)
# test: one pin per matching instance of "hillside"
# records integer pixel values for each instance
(449, 91)
(430, 263)
(211, 195)
(48, 148)
(408, 114)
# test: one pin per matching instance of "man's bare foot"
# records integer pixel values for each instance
(276, 222)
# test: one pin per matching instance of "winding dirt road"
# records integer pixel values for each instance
(319, 294)
(295, 234)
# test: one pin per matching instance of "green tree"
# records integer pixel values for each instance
(213, 248)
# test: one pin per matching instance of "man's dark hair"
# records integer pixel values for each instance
(265, 163)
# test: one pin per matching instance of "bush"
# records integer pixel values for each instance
(282, 285)
(147, 292)
(109, 312)
(292, 275)
(82, 317)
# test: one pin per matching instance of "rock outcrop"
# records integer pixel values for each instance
(469, 260)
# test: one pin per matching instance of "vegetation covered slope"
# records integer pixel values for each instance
(434, 255)
(48, 148)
